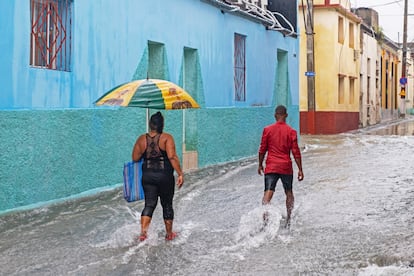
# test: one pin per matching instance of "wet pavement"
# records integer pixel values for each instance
(353, 216)
(404, 127)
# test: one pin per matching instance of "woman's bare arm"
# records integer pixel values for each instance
(173, 157)
(139, 148)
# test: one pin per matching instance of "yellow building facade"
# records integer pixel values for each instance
(336, 65)
(390, 75)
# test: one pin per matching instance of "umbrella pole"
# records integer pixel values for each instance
(147, 119)
(183, 130)
(184, 109)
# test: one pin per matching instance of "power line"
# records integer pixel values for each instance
(386, 4)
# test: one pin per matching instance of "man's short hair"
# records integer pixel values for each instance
(280, 110)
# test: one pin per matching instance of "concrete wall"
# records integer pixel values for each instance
(56, 144)
(370, 100)
(389, 82)
(335, 60)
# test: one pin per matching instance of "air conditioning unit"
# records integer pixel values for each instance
(356, 55)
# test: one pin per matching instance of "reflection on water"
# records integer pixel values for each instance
(399, 129)
(403, 128)
(352, 216)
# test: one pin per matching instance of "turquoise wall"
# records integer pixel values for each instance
(54, 143)
(51, 154)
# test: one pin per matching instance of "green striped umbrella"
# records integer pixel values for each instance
(148, 93)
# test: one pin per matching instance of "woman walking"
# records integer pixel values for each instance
(157, 148)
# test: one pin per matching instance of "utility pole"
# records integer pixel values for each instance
(403, 80)
(310, 65)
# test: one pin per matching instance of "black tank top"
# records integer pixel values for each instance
(155, 159)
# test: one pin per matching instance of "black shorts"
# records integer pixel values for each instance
(271, 179)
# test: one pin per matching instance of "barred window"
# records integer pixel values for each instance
(240, 67)
(50, 43)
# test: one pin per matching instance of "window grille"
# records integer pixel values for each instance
(50, 44)
(240, 67)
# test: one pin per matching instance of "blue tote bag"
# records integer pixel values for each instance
(133, 189)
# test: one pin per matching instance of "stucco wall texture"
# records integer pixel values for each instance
(52, 154)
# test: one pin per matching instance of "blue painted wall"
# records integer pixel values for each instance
(54, 143)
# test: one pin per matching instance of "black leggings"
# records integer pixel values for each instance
(158, 184)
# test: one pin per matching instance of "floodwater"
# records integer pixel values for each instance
(354, 215)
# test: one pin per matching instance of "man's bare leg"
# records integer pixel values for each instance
(267, 197)
(290, 202)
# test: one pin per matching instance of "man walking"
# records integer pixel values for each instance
(278, 141)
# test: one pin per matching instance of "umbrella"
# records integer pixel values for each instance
(148, 93)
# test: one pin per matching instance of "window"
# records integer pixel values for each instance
(341, 30)
(351, 36)
(50, 44)
(157, 61)
(386, 90)
(368, 67)
(352, 90)
(240, 67)
(341, 92)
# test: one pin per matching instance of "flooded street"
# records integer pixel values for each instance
(354, 215)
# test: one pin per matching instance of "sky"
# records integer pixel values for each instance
(391, 17)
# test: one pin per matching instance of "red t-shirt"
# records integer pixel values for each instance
(279, 140)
